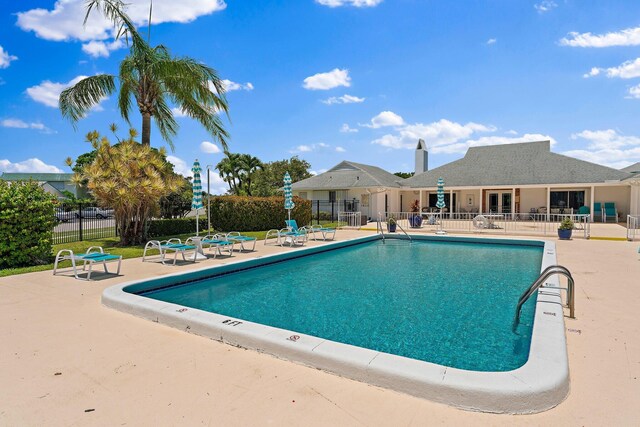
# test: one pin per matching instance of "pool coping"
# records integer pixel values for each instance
(540, 384)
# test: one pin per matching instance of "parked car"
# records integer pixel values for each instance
(64, 216)
(95, 212)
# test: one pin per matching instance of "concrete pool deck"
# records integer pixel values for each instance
(132, 371)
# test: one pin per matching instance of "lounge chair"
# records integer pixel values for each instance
(172, 245)
(291, 235)
(216, 242)
(235, 236)
(610, 211)
(95, 254)
(322, 230)
(597, 211)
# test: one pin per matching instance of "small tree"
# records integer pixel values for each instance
(130, 178)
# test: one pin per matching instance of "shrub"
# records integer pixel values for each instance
(26, 224)
(174, 226)
(238, 213)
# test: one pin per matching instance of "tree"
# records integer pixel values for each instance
(130, 178)
(238, 171)
(249, 165)
(268, 181)
(152, 77)
(404, 175)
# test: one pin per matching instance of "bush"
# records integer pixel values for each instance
(238, 213)
(26, 224)
(174, 226)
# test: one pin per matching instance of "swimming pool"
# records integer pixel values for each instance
(430, 318)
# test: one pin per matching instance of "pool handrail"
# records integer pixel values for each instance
(539, 283)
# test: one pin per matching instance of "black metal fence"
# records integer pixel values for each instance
(77, 222)
(327, 210)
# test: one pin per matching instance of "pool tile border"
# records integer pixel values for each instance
(540, 384)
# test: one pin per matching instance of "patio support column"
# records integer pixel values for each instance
(420, 200)
(480, 202)
(451, 202)
(592, 201)
(548, 202)
(513, 202)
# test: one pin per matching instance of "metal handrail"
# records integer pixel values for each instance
(539, 283)
(379, 227)
(405, 233)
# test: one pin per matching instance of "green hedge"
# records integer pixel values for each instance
(238, 213)
(26, 224)
(174, 226)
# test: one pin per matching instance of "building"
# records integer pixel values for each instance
(513, 178)
(54, 183)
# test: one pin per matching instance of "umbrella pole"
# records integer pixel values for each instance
(197, 220)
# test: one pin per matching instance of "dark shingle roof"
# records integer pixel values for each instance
(515, 164)
(349, 175)
(51, 177)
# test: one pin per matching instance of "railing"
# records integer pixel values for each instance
(405, 233)
(507, 223)
(76, 222)
(633, 226)
(379, 228)
(539, 283)
(350, 219)
(329, 210)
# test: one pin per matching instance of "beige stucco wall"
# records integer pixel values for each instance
(532, 198)
(618, 194)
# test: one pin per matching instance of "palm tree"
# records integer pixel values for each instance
(229, 170)
(153, 77)
(250, 165)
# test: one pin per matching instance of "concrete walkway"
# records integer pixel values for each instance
(65, 360)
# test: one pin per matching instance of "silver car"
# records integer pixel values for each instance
(95, 212)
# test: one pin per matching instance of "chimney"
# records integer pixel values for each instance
(422, 157)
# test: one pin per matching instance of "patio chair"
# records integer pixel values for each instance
(598, 211)
(172, 245)
(610, 211)
(95, 254)
(324, 231)
(216, 242)
(235, 236)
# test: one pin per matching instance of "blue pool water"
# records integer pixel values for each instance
(450, 303)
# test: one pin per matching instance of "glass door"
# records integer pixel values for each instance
(506, 203)
(493, 202)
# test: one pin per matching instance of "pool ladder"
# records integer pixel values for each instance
(540, 282)
(380, 229)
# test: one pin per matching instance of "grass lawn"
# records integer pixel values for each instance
(109, 244)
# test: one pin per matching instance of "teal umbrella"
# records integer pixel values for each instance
(196, 186)
(288, 195)
(440, 204)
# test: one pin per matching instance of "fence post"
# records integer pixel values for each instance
(332, 211)
(318, 211)
(80, 220)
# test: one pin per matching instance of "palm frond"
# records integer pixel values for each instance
(165, 122)
(76, 101)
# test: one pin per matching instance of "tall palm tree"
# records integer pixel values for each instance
(153, 77)
(229, 170)
(249, 166)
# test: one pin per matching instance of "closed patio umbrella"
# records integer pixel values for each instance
(196, 186)
(288, 196)
(440, 203)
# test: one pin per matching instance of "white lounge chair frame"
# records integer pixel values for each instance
(322, 230)
(216, 242)
(168, 245)
(285, 235)
(68, 255)
(239, 238)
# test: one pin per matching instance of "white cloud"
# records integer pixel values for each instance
(492, 41)
(346, 129)
(593, 72)
(231, 86)
(5, 58)
(218, 186)
(33, 165)
(626, 70)
(98, 49)
(209, 147)
(607, 147)
(634, 92)
(385, 118)
(319, 171)
(307, 148)
(302, 149)
(340, 150)
(545, 6)
(178, 112)
(344, 99)
(438, 134)
(21, 124)
(511, 132)
(64, 22)
(48, 92)
(328, 80)
(355, 3)
(628, 37)
(180, 166)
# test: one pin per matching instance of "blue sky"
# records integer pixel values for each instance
(329, 80)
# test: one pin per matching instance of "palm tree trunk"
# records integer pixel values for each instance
(146, 129)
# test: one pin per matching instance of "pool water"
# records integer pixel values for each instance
(445, 302)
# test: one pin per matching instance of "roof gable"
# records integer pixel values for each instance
(348, 174)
